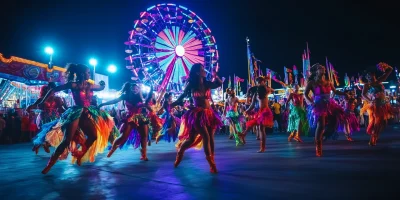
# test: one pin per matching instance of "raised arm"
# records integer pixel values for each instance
(182, 96)
(387, 69)
(114, 101)
(99, 87)
(336, 91)
(56, 89)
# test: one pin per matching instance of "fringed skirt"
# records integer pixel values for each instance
(103, 123)
(298, 116)
(233, 118)
(263, 117)
(46, 117)
(156, 124)
(351, 121)
(134, 138)
(379, 113)
(168, 132)
(194, 118)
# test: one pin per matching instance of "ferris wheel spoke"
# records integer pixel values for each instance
(170, 36)
(180, 37)
(163, 39)
(164, 63)
(178, 72)
(192, 43)
(187, 37)
(186, 65)
(187, 62)
(176, 32)
(161, 54)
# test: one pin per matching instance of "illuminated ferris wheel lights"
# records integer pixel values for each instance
(144, 21)
(191, 21)
(179, 50)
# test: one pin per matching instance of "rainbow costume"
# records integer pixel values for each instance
(197, 117)
(235, 124)
(52, 132)
(297, 117)
(170, 129)
(351, 123)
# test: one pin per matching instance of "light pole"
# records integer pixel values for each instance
(93, 62)
(50, 52)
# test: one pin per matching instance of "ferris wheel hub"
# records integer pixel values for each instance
(179, 50)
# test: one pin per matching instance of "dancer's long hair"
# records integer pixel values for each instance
(76, 72)
(313, 71)
(127, 90)
(194, 78)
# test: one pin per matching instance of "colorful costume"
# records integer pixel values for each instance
(351, 123)
(104, 124)
(297, 116)
(198, 117)
(168, 132)
(379, 112)
(263, 117)
(236, 121)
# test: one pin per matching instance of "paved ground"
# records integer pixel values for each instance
(287, 170)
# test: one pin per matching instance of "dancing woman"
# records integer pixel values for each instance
(200, 122)
(297, 123)
(232, 115)
(322, 104)
(135, 128)
(351, 123)
(51, 109)
(264, 117)
(378, 108)
(80, 119)
(171, 126)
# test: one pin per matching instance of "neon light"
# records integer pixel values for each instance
(183, 7)
(148, 9)
(171, 4)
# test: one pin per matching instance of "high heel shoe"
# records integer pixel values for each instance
(348, 137)
(318, 148)
(46, 147)
(50, 164)
(291, 136)
(262, 146)
(179, 157)
(143, 155)
(211, 162)
(297, 137)
(111, 151)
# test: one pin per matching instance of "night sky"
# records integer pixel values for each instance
(353, 36)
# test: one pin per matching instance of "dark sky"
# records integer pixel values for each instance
(354, 36)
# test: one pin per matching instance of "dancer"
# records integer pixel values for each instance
(155, 122)
(251, 115)
(232, 115)
(264, 117)
(171, 126)
(51, 110)
(322, 103)
(135, 128)
(200, 122)
(81, 118)
(378, 108)
(351, 123)
(297, 123)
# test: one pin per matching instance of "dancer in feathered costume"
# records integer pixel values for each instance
(378, 108)
(232, 115)
(84, 128)
(323, 105)
(171, 126)
(264, 117)
(351, 123)
(156, 122)
(51, 110)
(252, 114)
(297, 120)
(200, 122)
(135, 127)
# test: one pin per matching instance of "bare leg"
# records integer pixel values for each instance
(319, 132)
(90, 131)
(185, 145)
(262, 139)
(144, 134)
(68, 135)
(126, 129)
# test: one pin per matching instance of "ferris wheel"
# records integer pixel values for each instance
(165, 42)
